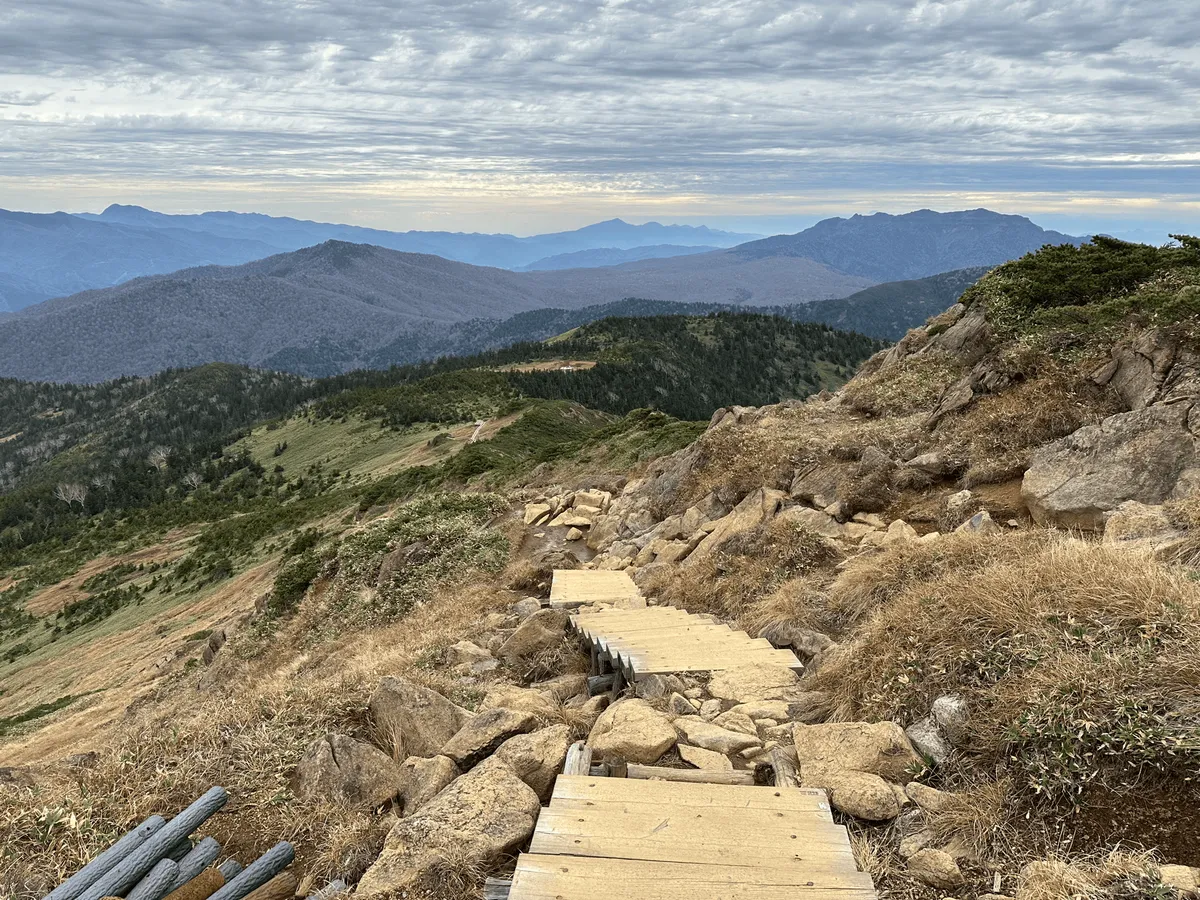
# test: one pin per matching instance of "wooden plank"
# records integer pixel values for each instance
(823, 814)
(582, 788)
(497, 888)
(582, 586)
(786, 767)
(579, 759)
(691, 776)
(582, 878)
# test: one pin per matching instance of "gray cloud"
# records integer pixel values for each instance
(513, 99)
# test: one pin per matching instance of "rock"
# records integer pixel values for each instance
(570, 519)
(484, 733)
(874, 459)
(424, 779)
(1144, 455)
(542, 631)
(900, 532)
(337, 767)
(880, 748)
(915, 843)
(508, 696)
(527, 607)
(562, 687)
(818, 486)
(953, 716)
(927, 739)
(693, 517)
(710, 709)
(603, 532)
(929, 799)
(213, 646)
(754, 682)
(1184, 879)
(736, 721)
(762, 709)
(813, 520)
(680, 705)
(855, 761)
(634, 731)
(807, 643)
(655, 687)
(593, 498)
(933, 464)
(709, 736)
(705, 759)
(870, 519)
(471, 658)
(412, 719)
(755, 509)
(86, 760)
(589, 712)
(536, 513)
(980, 523)
(481, 817)
(959, 506)
(935, 868)
(574, 534)
(537, 758)
(1137, 526)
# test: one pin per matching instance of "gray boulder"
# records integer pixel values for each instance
(484, 734)
(337, 767)
(413, 719)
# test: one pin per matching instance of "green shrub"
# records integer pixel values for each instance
(293, 582)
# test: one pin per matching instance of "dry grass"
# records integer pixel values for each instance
(1081, 664)
(998, 432)
(979, 815)
(913, 385)
(1057, 878)
(746, 569)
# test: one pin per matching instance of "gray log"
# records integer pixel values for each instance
(179, 851)
(156, 885)
(91, 873)
(230, 869)
(130, 870)
(203, 855)
(257, 873)
(599, 684)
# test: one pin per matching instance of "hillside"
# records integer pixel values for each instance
(54, 255)
(983, 549)
(884, 247)
(610, 256)
(342, 303)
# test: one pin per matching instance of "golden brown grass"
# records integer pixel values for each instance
(1058, 878)
(1081, 663)
(913, 385)
(979, 815)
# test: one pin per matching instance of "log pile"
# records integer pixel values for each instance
(157, 860)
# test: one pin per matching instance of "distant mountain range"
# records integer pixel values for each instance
(44, 256)
(893, 248)
(342, 305)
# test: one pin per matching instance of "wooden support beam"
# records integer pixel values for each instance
(497, 888)
(691, 776)
(579, 759)
(787, 771)
(599, 684)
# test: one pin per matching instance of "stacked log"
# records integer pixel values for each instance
(158, 861)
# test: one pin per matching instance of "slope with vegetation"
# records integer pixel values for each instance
(983, 547)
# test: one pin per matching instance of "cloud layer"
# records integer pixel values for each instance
(467, 108)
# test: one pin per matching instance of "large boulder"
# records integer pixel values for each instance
(755, 509)
(540, 632)
(858, 763)
(337, 767)
(413, 719)
(537, 758)
(424, 779)
(760, 681)
(484, 733)
(481, 817)
(1148, 455)
(709, 736)
(509, 696)
(634, 731)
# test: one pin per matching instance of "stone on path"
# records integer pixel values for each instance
(485, 732)
(634, 731)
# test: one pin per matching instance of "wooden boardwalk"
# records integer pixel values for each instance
(620, 839)
(661, 639)
(572, 588)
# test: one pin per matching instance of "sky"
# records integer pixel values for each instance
(535, 115)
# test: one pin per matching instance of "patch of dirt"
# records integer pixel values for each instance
(10, 437)
(1003, 501)
(50, 600)
(119, 670)
(1157, 817)
(551, 365)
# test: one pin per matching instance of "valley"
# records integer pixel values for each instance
(953, 522)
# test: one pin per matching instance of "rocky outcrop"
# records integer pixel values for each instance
(710, 736)
(756, 508)
(1148, 455)
(412, 719)
(632, 730)
(755, 682)
(337, 767)
(858, 763)
(537, 758)
(424, 779)
(484, 733)
(482, 816)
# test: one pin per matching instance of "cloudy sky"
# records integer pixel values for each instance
(526, 115)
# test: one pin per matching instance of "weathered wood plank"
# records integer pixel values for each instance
(497, 888)
(693, 776)
(579, 759)
(576, 787)
(578, 587)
